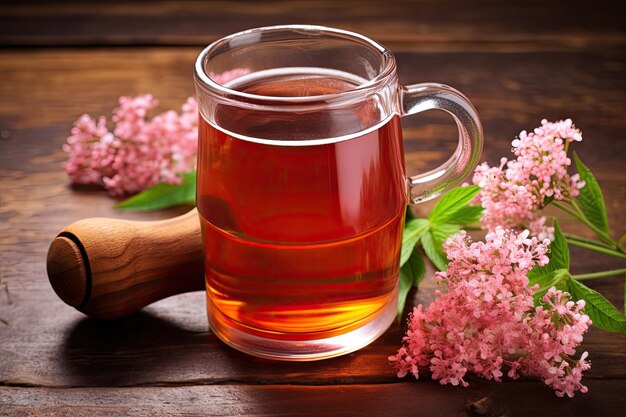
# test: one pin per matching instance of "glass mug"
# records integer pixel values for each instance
(301, 186)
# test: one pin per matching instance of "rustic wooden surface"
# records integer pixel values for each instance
(517, 62)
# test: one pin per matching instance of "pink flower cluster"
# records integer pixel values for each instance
(512, 196)
(139, 152)
(486, 323)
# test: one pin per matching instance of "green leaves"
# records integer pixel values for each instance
(559, 252)
(451, 203)
(557, 278)
(432, 242)
(558, 255)
(413, 230)
(556, 273)
(411, 274)
(468, 214)
(163, 196)
(602, 313)
(446, 219)
(590, 199)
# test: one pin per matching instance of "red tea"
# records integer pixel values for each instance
(301, 242)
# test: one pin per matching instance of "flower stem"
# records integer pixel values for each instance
(596, 248)
(594, 245)
(601, 274)
(585, 240)
(601, 233)
(580, 216)
(568, 211)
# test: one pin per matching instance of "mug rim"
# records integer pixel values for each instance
(381, 80)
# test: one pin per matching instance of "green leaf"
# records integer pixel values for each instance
(590, 199)
(451, 202)
(621, 240)
(412, 233)
(431, 242)
(603, 314)
(539, 273)
(441, 232)
(558, 255)
(467, 215)
(411, 274)
(559, 251)
(404, 286)
(544, 279)
(557, 278)
(163, 196)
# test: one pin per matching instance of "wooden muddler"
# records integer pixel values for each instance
(108, 268)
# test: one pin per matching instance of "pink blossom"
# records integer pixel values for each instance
(513, 192)
(485, 322)
(139, 152)
(85, 133)
(539, 228)
(506, 203)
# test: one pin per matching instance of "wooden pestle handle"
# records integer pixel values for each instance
(108, 268)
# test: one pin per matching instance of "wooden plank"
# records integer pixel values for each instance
(45, 343)
(48, 344)
(419, 398)
(403, 25)
(44, 91)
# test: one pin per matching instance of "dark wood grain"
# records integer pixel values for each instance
(423, 398)
(518, 62)
(403, 25)
(168, 344)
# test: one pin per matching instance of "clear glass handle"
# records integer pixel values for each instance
(420, 97)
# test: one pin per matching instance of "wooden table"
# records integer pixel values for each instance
(518, 62)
